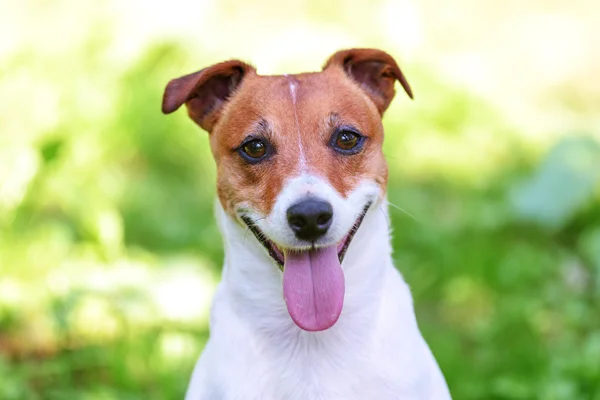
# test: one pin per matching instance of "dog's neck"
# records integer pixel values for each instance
(254, 284)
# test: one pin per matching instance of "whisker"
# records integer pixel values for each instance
(403, 210)
(253, 222)
(387, 219)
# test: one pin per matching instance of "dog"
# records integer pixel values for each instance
(310, 305)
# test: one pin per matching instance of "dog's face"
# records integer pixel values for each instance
(299, 161)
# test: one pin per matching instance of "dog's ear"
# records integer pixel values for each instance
(374, 70)
(206, 91)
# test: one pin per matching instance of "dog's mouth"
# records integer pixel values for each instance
(313, 280)
(278, 254)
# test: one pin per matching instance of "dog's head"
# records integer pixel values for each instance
(299, 161)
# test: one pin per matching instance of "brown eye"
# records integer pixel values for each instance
(347, 141)
(255, 149)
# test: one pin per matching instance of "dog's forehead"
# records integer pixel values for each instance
(306, 99)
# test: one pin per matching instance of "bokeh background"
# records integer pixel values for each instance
(109, 253)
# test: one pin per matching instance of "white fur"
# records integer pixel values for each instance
(293, 86)
(256, 352)
(345, 211)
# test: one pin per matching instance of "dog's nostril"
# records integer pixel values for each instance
(310, 219)
(297, 222)
(323, 219)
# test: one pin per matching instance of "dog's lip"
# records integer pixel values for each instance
(345, 243)
(271, 247)
(277, 253)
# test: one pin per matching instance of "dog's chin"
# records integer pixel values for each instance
(277, 252)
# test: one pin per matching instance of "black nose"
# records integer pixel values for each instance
(310, 218)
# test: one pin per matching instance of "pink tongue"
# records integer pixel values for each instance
(313, 287)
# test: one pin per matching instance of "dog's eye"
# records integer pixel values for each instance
(347, 141)
(255, 149)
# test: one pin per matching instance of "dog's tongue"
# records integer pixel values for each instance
(313, 287)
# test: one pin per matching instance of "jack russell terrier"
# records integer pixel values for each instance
(310, 306)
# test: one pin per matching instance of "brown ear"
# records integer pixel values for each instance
(205, 92)
(374, 70)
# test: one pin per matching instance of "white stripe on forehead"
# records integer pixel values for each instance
(293, 85)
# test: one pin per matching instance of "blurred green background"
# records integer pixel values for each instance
(109, 253)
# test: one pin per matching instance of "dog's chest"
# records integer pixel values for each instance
(320, 378)
(319, 373)
(373, 352)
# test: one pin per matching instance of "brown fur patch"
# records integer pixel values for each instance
(265, 106)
